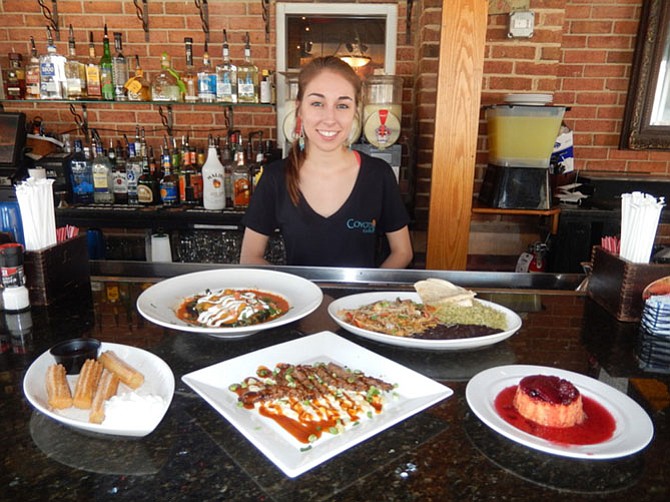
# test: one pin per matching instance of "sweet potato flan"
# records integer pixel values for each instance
(549, 401)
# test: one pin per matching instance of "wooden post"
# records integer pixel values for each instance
(462, 41)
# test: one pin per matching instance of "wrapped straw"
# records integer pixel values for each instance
(640, 213)
(36, 202)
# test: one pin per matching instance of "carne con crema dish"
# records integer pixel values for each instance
(310, 400)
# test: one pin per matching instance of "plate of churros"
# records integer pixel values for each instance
(125, 392)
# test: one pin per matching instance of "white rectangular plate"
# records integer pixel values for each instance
(414, 392)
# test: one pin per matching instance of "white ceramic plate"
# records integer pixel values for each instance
(159, 302)
(414, 393)
(158, 381)
(358, 300)
(634, 428)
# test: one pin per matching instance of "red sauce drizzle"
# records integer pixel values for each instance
(598, 426)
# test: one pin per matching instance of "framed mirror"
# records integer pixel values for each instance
(646, 124)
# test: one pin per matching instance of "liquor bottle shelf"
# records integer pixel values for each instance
(151, 217)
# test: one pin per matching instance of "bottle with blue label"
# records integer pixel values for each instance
(52, 72)
(169, 185)
(81, 175)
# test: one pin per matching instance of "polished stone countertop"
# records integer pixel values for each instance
(443, 453)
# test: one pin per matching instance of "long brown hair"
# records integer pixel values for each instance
(296, 156)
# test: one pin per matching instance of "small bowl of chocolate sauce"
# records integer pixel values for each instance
(73, 353)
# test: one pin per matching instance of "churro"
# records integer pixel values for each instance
(126, 373)
(58, 391)
(86, 384)
(107, 387)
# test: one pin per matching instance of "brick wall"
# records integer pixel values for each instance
(581, 52)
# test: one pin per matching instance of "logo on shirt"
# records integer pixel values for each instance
(365, 227)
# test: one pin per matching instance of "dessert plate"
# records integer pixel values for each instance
(414, 392)
(158, 381)
(358, 300)
(159, 302)
(633, 431)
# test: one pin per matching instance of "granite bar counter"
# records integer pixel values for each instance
(443, 453)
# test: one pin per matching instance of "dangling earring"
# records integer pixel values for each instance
(301, 139)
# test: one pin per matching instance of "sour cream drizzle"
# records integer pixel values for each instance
(230, 308)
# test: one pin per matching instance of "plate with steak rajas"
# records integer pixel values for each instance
(438, 316)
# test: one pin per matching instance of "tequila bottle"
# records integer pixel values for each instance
(92, 68)
(247, 77)
(102, 177)
(189, 76)
(138, 85)
(75, 72)
(133, 171)
(206, 80)
(165, 86)
(33, 73)
(226, 76)
(52, 72)
(106, 74)
(119, 69)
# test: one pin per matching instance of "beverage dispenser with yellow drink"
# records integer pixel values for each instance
(521, 139)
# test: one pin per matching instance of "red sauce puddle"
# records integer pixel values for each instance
(598, 426)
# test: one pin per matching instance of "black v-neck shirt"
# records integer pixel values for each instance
(347, 238)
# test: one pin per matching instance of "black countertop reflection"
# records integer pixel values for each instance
(443, 453)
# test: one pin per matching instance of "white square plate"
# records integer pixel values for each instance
(414, 392)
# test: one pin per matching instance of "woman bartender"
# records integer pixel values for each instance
(330, 203)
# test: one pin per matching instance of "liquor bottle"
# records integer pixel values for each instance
(206, 80)
(266, 87)
(133, 172)
(169, 184)
(189, 77)
(102, 177)
(226, 76)
(106, 72)
(247, 77)
(33, 73)
(187, 188)
(119, 178)
(52, 72)
(120, 72)
(75, 73)
(213, 185)
(256, 168)
(165, 86)
(81, 176)
(15, 77)
(92, 68)
(241, 186)
(227, 161)
(148, 191)
(137, 86)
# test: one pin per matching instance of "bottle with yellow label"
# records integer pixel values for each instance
(137, 86)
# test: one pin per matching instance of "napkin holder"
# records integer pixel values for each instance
(616, 284)
(55, 271)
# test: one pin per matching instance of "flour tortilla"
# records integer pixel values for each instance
(438, 291)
